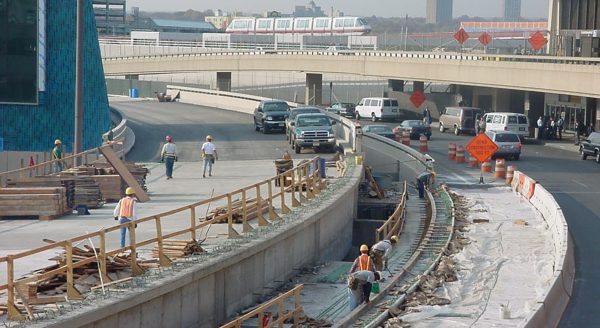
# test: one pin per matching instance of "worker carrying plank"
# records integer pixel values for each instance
(363, 261)
(381, 252)
(126, 211)
(359, 287)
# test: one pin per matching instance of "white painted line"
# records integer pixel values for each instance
(579, 183)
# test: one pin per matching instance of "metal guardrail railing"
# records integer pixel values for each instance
(304, 182)
(282, 313)
(393, 225)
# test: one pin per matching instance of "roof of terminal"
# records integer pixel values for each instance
(184, 24)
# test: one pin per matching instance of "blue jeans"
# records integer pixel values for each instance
(208, 161)
(353, 298)
(123, 230)
(169, 161)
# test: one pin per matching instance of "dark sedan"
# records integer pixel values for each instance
(381, 130)
(591, 147)
(415, 127)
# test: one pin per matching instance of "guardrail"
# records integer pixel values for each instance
(395, 222)
(282, 314)
(304, 182)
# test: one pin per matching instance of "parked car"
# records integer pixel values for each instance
(590, 147)
(270, 115)
(313, 131)
(378, 109)
(460, 119)
(415, 127)
(509, 144)
(382, 130)
(343, 109)
(499, 121)
(289, 121)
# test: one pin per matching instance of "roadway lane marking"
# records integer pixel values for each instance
(579, 183)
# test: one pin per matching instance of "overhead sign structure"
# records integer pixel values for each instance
(481, 147)
(485, 38)
(537, 40)
(417, 98)
(461, 36)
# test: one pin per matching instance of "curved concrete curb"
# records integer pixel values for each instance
(552, 303)
(122, 131)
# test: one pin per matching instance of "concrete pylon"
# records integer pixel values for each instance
(314, 89)
(224, 81)
(396, 85)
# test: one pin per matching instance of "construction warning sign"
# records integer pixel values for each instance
(481, 147)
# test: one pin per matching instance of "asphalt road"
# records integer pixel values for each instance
(575, 184)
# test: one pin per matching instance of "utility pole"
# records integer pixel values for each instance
(77, 146)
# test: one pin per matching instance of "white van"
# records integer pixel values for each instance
(514, 122)
(378, 109)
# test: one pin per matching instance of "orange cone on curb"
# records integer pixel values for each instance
(500, 169)
(486, 166)
(473, 161)
(451, 151)
(423, 143)
(460, 154)
(510, 173)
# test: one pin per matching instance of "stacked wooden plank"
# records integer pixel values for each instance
(110, 187)
(87, 192)
(46, 182)
(252, 210)
(139, 172)
(45, 203)
(174, 248)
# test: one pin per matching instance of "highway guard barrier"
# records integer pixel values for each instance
(500, 170)
(510, 172)
(423, 143)
(451, 151)
(406, 138)
(460, 154)
(486, 166)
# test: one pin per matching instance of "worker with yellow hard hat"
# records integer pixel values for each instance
(363, 261)
(382, 251)
(126, 211)
(57, 155)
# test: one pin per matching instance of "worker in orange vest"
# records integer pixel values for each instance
(363, 262)
(126, 211)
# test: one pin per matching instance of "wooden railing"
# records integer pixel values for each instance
(282, 313)
(304, 182)
(393, 225)
(71, 160)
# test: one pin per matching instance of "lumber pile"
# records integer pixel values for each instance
(220, 213)
(46, 182)
(87, 192)
(111, 187)
(45, 203)
(174, 248)
(139, 172)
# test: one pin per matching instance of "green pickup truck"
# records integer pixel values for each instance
(313, 131)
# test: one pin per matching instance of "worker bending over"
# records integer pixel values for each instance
(126, 211)
(363, 261)
(359, 287)
(381, 252)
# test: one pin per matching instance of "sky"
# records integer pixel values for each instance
(384, 8)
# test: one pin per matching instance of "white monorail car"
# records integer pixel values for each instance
(300, 25)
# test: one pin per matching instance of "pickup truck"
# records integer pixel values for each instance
(313, 131)
(270, 115)
(289, 120)
(591, 147)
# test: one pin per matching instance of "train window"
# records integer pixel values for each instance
(241, 24)
(321, 23)
(348, 22)
(339, 23)
(264, 24)
(302, 23)
(360, 22)
(283, 23)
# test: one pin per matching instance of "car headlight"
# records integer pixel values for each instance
(269, 118)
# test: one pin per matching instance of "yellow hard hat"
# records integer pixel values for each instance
(364, 248)
(129, 191)
(394, 239)
(57, 142)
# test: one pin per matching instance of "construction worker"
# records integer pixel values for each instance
(359, 287)
(363, 261)
(126, 211)
(381, 252)
(209, 155)
(168, 155)
(57, 154)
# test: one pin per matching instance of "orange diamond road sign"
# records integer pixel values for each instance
(481, 147)
(485, 38)
(461, 36)
(537, 40)
(417, 98)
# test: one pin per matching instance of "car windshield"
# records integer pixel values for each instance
(297, 111)
(348, 105)
(507, 137)
(379, 129)
(275, 107)
(414, 123)
(312, 121)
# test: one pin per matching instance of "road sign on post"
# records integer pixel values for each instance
(485, 38)
(417, 98)
(537, 40)
(482, 148)
(461, 36)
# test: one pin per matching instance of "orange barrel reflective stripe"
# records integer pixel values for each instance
(486, 166)
(500, 170)
(406, 138)
(364, 262)
(126, 209)
(423, 143)
(460, 154)
(510, 173)
(451, 151)
(472, 161)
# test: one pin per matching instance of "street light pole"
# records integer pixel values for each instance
(79, 80)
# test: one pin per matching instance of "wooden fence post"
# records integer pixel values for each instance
(136, 269)
(72, 292)
(162, 258)
(272, 214)
(284, 208)
(295, 202)
(13, 312)
(193, 222)
(245, 226)
(231, 231)
(259, 207)
(102, 256)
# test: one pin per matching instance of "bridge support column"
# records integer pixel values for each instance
(314, 89)
(224, 81)
(396, 85)
(418, 85)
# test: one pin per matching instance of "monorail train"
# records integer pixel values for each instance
(300, 25)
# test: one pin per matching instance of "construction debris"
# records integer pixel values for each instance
(173, 248)
(376, 190)
(220, 213)
(306, 321)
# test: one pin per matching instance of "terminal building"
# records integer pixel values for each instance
(111, 16)
(511, 10)
(439, 12)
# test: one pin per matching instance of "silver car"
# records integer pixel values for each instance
(509, 144)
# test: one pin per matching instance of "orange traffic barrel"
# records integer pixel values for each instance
(500, 170)
(423, 143)
(486, 166)
(451, 151)
(406, 138)
(510, 173)
(472, 161)
(460, 154)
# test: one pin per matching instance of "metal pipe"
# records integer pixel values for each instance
(77, 146)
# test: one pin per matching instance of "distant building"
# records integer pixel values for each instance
(110, 16)
(511, 10)
(219, 22)
(439, 12)
(311, 10)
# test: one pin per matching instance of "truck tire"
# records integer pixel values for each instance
(442, 128)
(373, 117)
(357, 116)
(598, 157)
(297, 149)
(583, 155)
(256, 128)
(456, 131)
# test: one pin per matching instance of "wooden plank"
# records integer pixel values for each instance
(32, 190)
(122, 170)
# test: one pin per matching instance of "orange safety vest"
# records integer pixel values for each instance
(126, 209)
(364, 263)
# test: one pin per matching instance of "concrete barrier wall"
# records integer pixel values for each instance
(555, 299)
(392, 158)
(213, 292)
